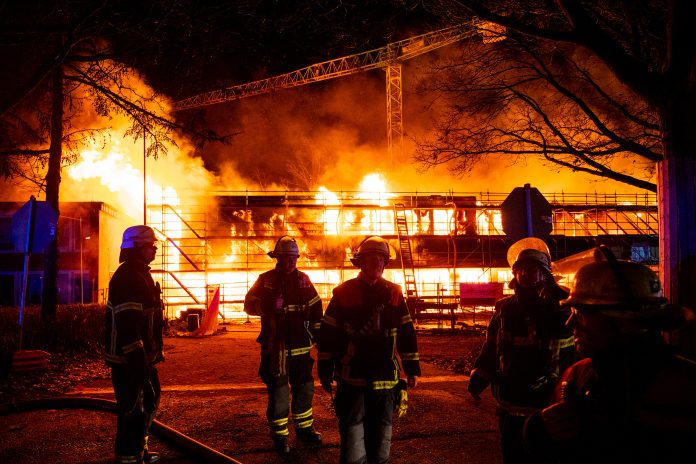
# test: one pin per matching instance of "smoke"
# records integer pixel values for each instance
(113, 168)
(333, 133)
(329, 134)
(302, 138)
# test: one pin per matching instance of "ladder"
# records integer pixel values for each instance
(406, 254)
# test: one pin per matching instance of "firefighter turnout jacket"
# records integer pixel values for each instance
(633, 405)
(526, 350)
(290, 311)
(134, 318)
(362, 330)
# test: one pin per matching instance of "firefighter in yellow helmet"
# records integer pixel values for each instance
(134, 325)
(367, 323)
(631, 399)
(290, 311)
(527, 345)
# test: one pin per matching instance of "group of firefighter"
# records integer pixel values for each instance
(579, 375)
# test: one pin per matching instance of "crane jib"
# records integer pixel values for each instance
(379, 58)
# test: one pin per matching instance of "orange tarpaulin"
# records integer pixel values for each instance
(209, 324)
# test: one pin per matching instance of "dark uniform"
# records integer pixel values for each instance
(527, 348)
(290, 311)
(631, 399)
(134, 325)
(633, 405)
(363, 329)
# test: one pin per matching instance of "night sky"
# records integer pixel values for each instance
(183, 48)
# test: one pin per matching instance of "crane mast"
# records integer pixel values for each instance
(388, 58)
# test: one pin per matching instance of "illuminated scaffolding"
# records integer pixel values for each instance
(223, 238)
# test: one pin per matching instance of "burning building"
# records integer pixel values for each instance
(218, 238)
(448, 248)
(88, 251)
(440, 241)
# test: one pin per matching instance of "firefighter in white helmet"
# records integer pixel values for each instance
(134, 325)
(631, 399)
(290, 311)
(366, 324)
(527, 345)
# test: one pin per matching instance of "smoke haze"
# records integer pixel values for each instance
(327, 134)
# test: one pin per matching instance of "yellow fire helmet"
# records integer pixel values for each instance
(285, 245)
(530, 249)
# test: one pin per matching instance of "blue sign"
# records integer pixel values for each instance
(44, 220)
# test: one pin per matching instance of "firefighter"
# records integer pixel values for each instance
(630, 399)
(527, 346)
(290, 311)
(365, 325)
(134, 325)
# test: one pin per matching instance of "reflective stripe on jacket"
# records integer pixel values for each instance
(527, 348)
(290, 310)
(134, 317)
(364, 328)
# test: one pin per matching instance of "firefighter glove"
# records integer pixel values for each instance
(400, 398)
(563, 421)
(477, 383)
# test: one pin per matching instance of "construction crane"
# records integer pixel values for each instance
(388, 58)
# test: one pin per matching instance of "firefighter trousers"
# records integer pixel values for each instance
(364, 424)
(137, 400)
(301, 385)
(511, 438)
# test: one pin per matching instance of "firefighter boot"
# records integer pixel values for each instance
(150, 457)
(309, 435)
(280, 443)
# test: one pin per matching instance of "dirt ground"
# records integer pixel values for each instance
(212, 394)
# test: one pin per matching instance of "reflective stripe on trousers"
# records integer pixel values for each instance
(278, 408)
(364, 423)
(299, 376)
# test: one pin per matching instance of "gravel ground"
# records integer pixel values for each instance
(212, 394)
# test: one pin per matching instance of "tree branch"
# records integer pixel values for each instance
(583, 31)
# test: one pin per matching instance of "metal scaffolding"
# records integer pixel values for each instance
(223, 238)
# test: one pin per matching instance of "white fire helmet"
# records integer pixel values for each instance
(285, 245)
(373, 244)
(138, 235)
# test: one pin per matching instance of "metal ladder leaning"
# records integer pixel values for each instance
(406, 255)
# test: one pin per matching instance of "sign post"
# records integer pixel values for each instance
(31, 220)
(33, 228)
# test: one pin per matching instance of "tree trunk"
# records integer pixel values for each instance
(50, 291)
(677, 205)
(677, 173)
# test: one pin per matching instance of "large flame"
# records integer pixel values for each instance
(113, 173)
(372, 191)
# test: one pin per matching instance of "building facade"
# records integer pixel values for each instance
(88, 245)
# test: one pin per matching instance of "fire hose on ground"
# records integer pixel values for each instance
(96, 404)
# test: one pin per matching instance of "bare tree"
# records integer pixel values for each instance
(650, 48)
(519, 97)
(63, 64)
